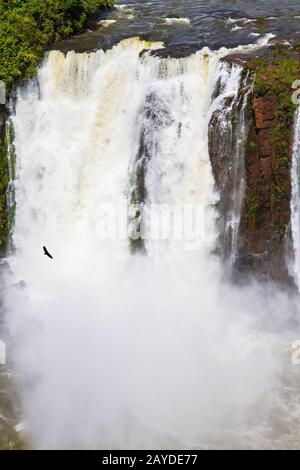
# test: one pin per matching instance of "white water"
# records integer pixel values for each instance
(295, 201)
(231, 140)
(122, 351)
(183, 20)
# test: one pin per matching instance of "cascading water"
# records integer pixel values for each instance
(115, 350)
(172, 164)
(238, 171)
(295, 200)
(227, 136)
(10, 196)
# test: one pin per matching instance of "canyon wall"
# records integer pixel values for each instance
(4, 180)
(264, 239)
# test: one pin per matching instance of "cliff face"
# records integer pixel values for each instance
(250, 161)
(264, 238)
(227, 133)
(4, 179)
(264, 230)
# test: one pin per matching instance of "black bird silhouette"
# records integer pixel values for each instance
(46, 252)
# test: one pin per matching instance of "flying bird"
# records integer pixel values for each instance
(46, 252)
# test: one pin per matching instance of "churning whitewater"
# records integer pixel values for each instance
(295, 200)
(121, 348)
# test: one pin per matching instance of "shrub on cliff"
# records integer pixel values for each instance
(27, 27)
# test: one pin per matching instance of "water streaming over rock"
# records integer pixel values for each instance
(228, 133)
(116, 350)
(10, 196)
(295, 200)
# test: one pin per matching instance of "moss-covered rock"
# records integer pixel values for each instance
(266, 211)
(4, 180)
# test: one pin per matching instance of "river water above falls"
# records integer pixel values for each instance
(192, 23)
(153, 348)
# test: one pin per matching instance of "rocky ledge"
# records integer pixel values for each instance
(265, 235)
(3, 180)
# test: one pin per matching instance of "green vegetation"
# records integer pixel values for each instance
(28, 27)
(275, 74)
(252, 144)
(4, 180)
(274, 71)
(261, 21)
(251, 206)
(279, 192)
(282, 230)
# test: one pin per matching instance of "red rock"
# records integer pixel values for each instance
(264, 143)
(265, 111)
(265, 167)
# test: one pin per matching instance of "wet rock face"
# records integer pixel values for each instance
(2, 122)
(225, 136)
(2, 118)
(265, 112)
(3, 180)
(264, 237)
(175, 52)
(266, 212)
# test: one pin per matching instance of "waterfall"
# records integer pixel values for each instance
(10, 192)
(295, 200)
(118, 343)
(147, 115)
(228, 132)
(172, 161)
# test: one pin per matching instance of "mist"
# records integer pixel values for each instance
(121, 351)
